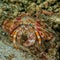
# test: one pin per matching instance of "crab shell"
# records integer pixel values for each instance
(34, 28)
(10, 25)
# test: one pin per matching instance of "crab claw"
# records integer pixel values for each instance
(29, 43)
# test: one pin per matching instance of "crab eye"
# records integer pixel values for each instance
(42, 34)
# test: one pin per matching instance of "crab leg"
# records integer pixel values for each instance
(39, 38)
(14, 35)
(37, 34)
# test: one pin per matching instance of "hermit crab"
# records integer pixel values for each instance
(26, 28)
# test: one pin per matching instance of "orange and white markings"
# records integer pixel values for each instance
(13, 35)
(39, 38)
